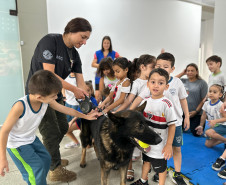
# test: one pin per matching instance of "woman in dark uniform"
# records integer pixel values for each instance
(57, 53)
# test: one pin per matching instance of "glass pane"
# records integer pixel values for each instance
(11, 81)
(6, 5)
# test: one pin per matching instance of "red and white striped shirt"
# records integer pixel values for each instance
(161, 114)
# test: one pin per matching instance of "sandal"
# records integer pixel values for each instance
(130, 177)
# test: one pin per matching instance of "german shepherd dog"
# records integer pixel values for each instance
(114, 140)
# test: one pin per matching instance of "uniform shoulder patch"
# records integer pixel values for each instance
(47, 55)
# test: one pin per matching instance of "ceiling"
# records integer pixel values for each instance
(205, 3)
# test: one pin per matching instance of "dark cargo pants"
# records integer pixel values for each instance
(53, 127)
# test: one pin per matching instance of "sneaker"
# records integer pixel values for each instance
(139, 182)
(218, 164)
(61, 174)
(177, 179)
(71, 145)
(156, 177)
(64, 162)
(222, 174)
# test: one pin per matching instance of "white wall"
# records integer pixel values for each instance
(136, 27)
(220, 31)
(206, 47)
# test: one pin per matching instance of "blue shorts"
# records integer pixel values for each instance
(69, 118)
(178, 138)
(221, 130)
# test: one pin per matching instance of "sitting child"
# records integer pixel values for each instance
(216, 120)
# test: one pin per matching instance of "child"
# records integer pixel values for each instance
(70, 101)
(18, 130)
(216, 120)
(216, 77)
(119, 91)
(177, 94)
(144, 66)
(77, 121)
(163, 120)
(107, 80)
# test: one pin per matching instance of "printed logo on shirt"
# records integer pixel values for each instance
(172, 91)
(47, 55)
(150, 115)
(59, 57)
(210, 117)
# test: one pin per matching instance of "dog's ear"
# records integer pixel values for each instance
(114, 118)
(141, 108)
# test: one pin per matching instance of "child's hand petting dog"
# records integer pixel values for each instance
(93, 115)
(167, 151)
(98, 114)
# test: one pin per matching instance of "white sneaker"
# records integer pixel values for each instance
(72, 145)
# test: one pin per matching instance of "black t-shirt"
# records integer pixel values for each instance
(51, 49)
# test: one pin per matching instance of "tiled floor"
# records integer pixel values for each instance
(85, 176)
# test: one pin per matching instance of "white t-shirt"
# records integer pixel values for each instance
(217, 79)
(120, 89)
(161, 117)
(138, 86)
(213, 110)
(23, 132)
(70, 97)
(175, 93)
(109, 83)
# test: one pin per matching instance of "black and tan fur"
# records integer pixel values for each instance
(114, 140)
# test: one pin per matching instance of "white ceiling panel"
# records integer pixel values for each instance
(208, 3)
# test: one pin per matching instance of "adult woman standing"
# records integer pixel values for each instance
(106, 51)
(57, 53)
(197, 90)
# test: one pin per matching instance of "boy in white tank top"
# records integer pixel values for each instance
(18, 131)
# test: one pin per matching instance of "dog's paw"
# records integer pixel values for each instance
(82, 165)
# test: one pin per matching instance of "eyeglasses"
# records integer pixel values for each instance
(115, 91)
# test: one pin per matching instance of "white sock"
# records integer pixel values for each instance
(142, 180)
(222, 158)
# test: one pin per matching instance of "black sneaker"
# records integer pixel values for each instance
(156, 177)
(222, 174)
(218, 164)
(177, 179)
(139, 182)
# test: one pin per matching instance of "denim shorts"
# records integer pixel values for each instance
(221, 130)
(178, 138)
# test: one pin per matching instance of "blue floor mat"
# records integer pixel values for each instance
(197, 160)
